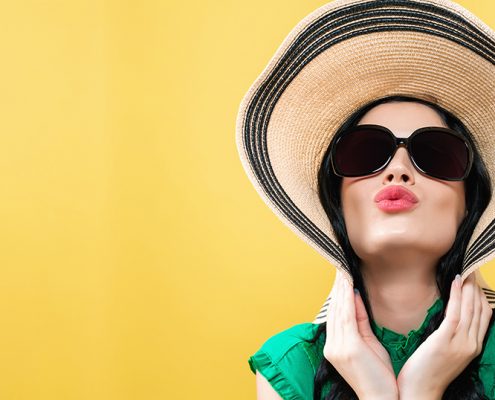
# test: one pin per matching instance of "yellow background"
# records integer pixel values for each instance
(137, 261)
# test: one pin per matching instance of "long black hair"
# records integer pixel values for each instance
(467, 384)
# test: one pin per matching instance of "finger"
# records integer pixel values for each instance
(343, 325)
(475, 323)
(331, 305)
(467, 305)
(486, 314)
(362, 319)
(340, 303)
(350, 307)
(337, 323)
(335, 282)
(453, 313)
(332, 293)
(331, 308)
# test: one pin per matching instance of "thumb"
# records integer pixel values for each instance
(362, 319)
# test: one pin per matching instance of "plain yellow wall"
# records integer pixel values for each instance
(137, 261)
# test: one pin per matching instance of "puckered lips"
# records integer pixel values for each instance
(395, 198)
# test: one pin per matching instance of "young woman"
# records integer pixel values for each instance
(369, 137)
(405, 254)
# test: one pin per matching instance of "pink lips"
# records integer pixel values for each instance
(395, 198)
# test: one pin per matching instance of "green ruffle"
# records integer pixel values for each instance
(402, 346)
(262, 362)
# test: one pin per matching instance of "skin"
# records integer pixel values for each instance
(399, 252)
(359, 357)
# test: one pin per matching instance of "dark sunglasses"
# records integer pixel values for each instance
(435, 151)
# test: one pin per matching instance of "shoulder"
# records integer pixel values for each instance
(281, 343)
(289, 360)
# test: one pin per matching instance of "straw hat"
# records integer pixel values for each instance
(340, 57)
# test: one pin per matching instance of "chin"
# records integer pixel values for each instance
(387, 243)
(400, 245)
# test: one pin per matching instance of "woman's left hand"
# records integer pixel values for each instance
(449, 349)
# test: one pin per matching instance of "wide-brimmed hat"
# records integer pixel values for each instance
(345, 55)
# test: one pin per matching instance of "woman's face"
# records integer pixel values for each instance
(431, 225)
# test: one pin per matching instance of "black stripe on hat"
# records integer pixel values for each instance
(490, 296)
(483, 246)
(482, 238)
(329, 29)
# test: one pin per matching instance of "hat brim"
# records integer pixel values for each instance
(341, 57)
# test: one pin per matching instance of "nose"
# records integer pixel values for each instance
(400, 168)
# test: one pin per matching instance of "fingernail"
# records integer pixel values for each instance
(356, 291)
(458, 280)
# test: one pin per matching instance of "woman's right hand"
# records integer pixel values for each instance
(352, 347)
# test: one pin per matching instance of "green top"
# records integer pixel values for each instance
(289, 362)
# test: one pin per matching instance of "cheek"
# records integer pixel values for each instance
(438, 222)
(447, 209)
(357, 209)
(445, 201)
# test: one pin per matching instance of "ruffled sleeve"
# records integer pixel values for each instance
(286, 361)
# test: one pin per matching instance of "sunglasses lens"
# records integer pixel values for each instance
(362, 151)
(440, 154)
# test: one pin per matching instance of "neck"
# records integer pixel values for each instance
(400, 295)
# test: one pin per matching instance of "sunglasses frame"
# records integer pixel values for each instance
(406, 142)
